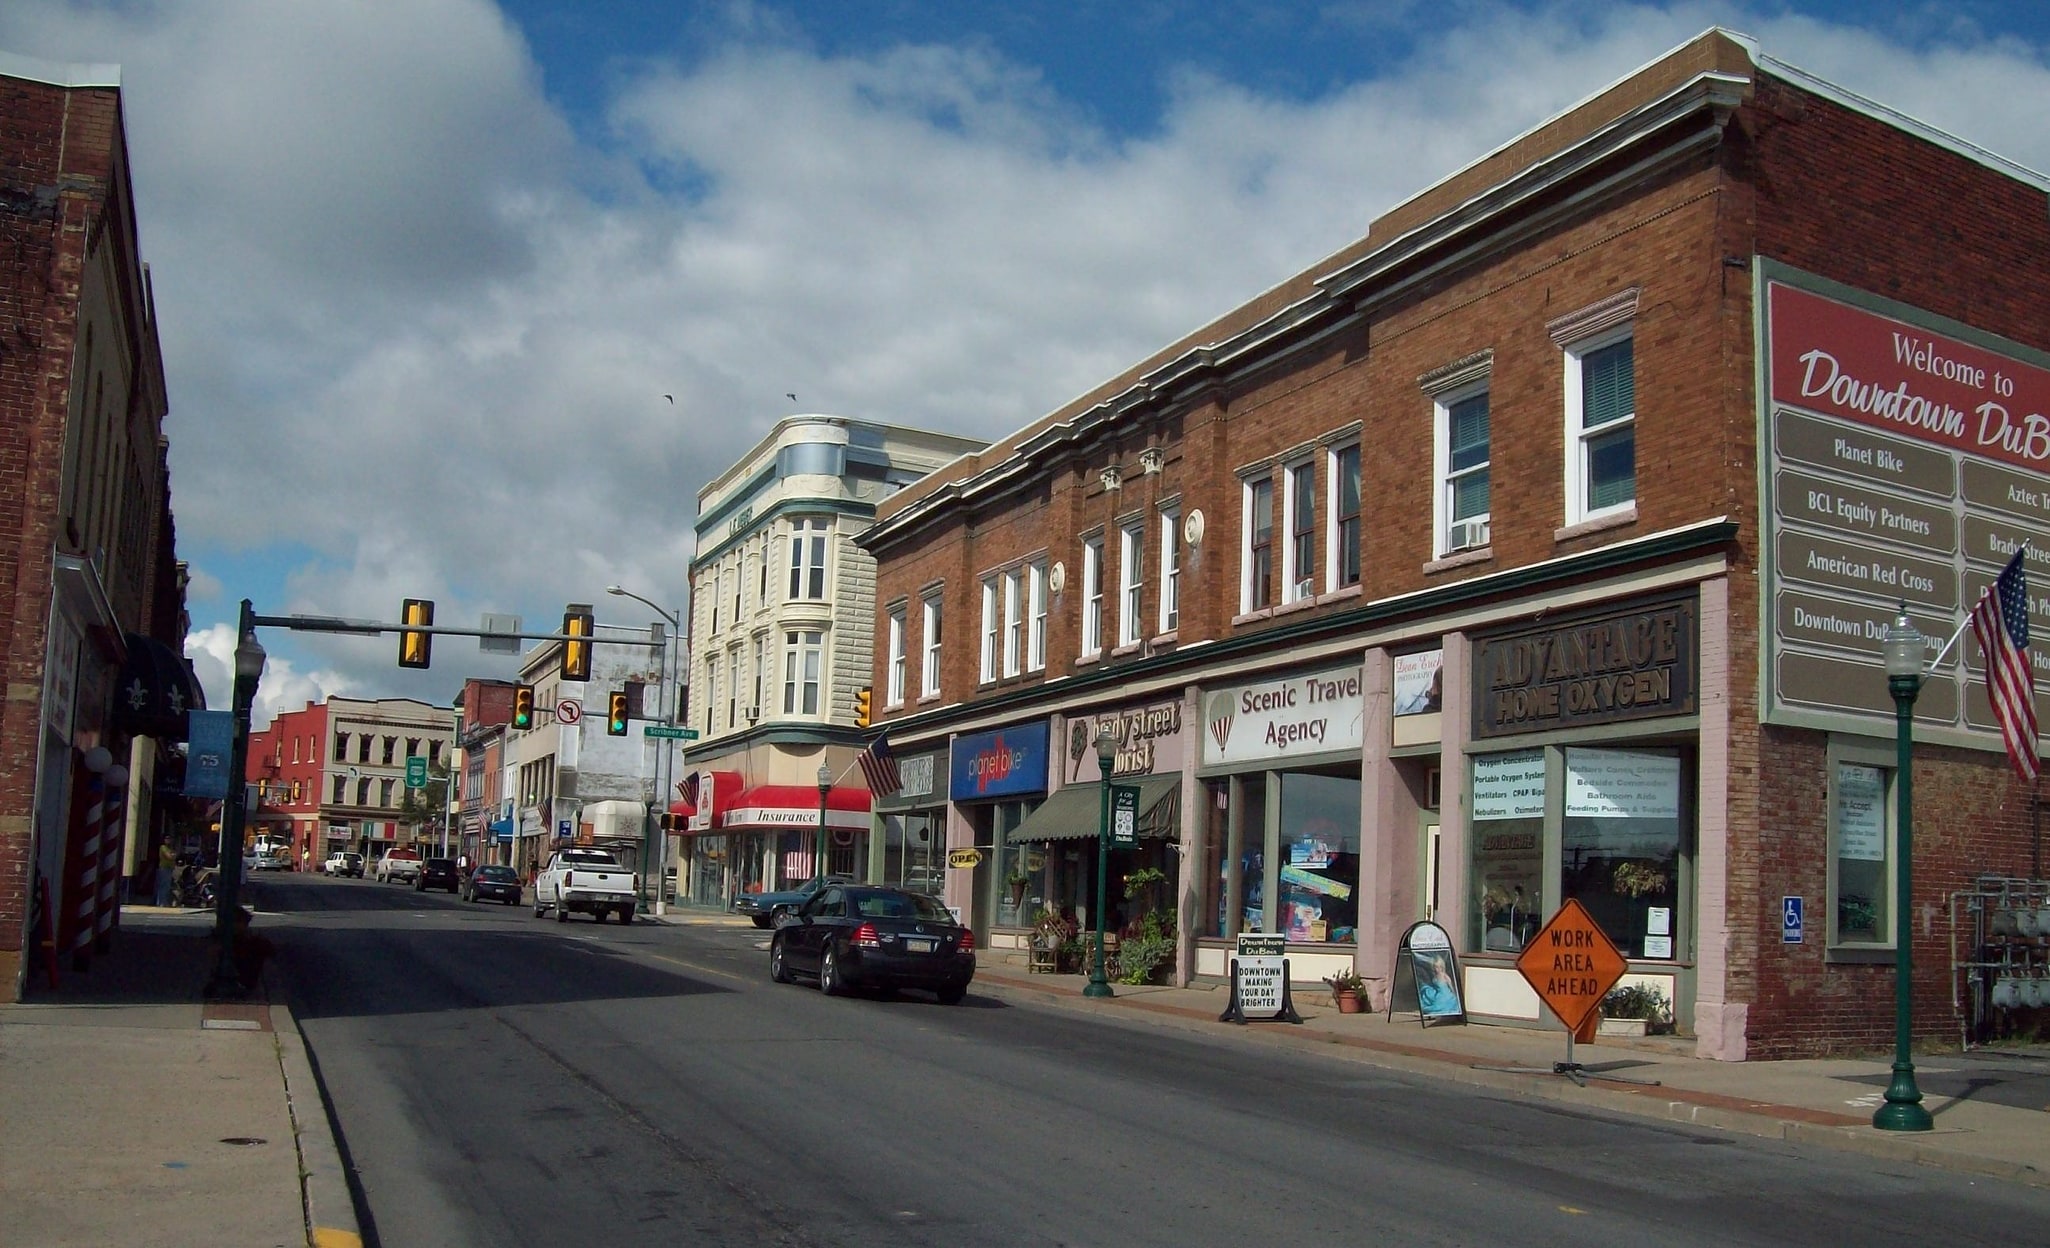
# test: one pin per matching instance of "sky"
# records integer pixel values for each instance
(425, 270)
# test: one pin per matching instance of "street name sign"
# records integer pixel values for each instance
(665, 731)
(1571, 964)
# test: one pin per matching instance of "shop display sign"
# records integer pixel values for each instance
(1149, 740)
(964, 859)
(1004, 763)
(1571, 964)
(1622, 784)
(916, 772)
(1509, 786)
(1296, 716)
(1908, 461)
(1860, 813)
(1259, 981)
(1612, 668)
(1426, 977)
(1418, 688)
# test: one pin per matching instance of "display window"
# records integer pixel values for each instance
(1861, 839)
(914, 851)
(1293, 836)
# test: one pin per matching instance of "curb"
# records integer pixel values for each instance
(1688, 1107)
(324, 1182)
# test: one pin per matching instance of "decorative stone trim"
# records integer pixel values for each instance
(1604, 314)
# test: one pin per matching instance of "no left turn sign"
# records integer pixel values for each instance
(568, 712)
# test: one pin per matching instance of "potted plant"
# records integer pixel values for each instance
(1348, 991)
(1018, 879)
(1633, 1010)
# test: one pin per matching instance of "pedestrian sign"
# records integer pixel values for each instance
(416, 772)
(1571, 964)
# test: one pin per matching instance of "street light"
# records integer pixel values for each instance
(1106, 754)
(249, 657)
(825, 787)
(1905, 647)
(654, 843)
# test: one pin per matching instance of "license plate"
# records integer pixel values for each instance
(920, 946)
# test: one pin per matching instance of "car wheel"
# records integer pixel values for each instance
(539, 909)
(626, 915)
(561, 913)
(779, 969)
(829, 974)
(759, 920)
(952, 996)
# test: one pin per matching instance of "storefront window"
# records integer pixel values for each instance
(1508, 849)
(1859, 837)
(1320, 857)
(1620, 844)
(913, 857)
(1217, 851)
(1249, 852)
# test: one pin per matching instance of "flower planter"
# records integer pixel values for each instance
(1621, 1027)
(1348, 1002)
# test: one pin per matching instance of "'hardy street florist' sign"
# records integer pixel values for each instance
(1293, 717)
(1259, 982)
(1426, 978)
(1637, 663)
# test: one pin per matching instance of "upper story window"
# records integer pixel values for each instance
(737, 578)
(363, 747)
(1256, 561)
(1014, 621)
(341, 783)
(762, 677)
(712, 597)
(363, 790)
(1092, 595)
(1460, 491)
(711, 694)
(762, 573)
(1035, 633)
(808, 558)
(1344, 485)
(1299, 560)
(1601, 428)
(803, 656)
(733, 688)
(1170, 569)
(929, 674)
(990, 625)
(341, 749)
(1131, 581)
(893, 688)
(391, 749)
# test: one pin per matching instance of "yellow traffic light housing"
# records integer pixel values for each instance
(615, 722)
(414, 647)
(862, 700)
(523, 707)
(576, 655)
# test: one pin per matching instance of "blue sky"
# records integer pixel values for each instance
(424, 270)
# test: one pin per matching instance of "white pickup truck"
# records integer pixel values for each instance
(584, 881)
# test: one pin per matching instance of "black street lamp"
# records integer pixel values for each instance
(1106, 755)
(1904, 647)
(825, 787)
(249, 657)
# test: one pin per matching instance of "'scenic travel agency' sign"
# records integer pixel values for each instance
(1319, 712)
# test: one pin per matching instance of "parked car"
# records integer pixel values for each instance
(437, 873)
(344, 862)
(266, 859)
(493, 883)
(585, 880)
(762, 907)
(398, 866)
(851, 936)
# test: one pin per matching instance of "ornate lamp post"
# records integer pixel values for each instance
(1106, 755)
(249, 657)
(1905, 647)
(825, 787)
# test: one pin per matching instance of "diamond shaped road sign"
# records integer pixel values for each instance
(1571, 964)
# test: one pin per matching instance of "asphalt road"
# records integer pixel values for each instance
(496, 1079)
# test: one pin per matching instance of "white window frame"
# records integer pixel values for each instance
(990, 626)
(764, 674)
(1014, 622)
(1442, 474)
(1036, 607)
(1334, 541)
(809, 573)
(1170, 615)
(1248, 488)
(711, 694)
(804, 653)
(894, 678)
(1842, 752)
(933, 622)
(733, 688)
(1298, 490)
(1131, 582)
(739, 583)
(1092, 595)
(1577, 433)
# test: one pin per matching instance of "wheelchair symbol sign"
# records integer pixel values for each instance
(1790, 920)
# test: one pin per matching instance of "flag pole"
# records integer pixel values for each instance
(2021, 553)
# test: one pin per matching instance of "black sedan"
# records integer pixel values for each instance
(851, 936)
(493, 883)
(437, 873)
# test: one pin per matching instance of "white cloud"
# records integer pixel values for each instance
(413, 327)
(282, 687)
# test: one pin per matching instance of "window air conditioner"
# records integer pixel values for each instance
(1303, 589)
(1466, 535)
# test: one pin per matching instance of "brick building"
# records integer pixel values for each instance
(92, 597)
(1535, 546)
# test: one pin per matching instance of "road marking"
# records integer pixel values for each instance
(738, 979)
(1571, 1209)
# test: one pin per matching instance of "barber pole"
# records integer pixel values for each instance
(113, 838)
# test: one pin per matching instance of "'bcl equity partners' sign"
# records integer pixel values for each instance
(1637, 663)
(1315, 713)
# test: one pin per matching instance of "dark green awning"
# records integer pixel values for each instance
(1074, 812)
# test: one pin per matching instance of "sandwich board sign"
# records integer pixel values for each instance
(1426, 977)
(1259, 981)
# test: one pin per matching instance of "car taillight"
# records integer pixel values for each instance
(967, 944)
(568, 878)
(865, 936)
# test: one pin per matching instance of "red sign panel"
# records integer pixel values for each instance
(1835, 359)
(1571, 964)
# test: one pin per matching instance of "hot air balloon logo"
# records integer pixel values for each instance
(1218, 712)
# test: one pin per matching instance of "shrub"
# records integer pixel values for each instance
(1139, 959)
(1643, 1001)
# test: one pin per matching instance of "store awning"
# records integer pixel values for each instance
(155, 690)
(794, 806)
(1075, 812)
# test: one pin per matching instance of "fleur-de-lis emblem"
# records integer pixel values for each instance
(138, 695)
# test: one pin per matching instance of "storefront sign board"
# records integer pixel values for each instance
(1149, 741)
(1426, 977)
(1417, 682)
(1006, 763)
(1622, 784)
(1318, 712)
(1571, 964)
(1621, 665)
(963, 859)
(1509, 786)
(1259, 981)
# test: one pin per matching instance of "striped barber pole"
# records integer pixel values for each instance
(81, 872)
(113, 840)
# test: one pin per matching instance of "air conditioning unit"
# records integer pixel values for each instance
(1466, 535)
(1303, 589)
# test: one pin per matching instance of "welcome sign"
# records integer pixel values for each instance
(1321, 712)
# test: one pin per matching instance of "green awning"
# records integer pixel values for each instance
(1075, 811)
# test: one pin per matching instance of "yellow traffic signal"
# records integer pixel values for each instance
(862, 699)
(576, 655)
(615, 722)
(523, 706)
(414, 646)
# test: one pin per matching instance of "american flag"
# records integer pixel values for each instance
(2001, 623)
(687, 789)
(879, 764)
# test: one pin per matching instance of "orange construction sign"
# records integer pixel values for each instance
(1571, 964)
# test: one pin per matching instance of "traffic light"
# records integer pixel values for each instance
(523, 707)
(615, 722)
(576, 655)
(676, 823)
(414, 646)
(862, 698)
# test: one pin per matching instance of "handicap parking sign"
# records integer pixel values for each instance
(1790, 920)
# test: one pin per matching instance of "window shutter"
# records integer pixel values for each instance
(1608, 385)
